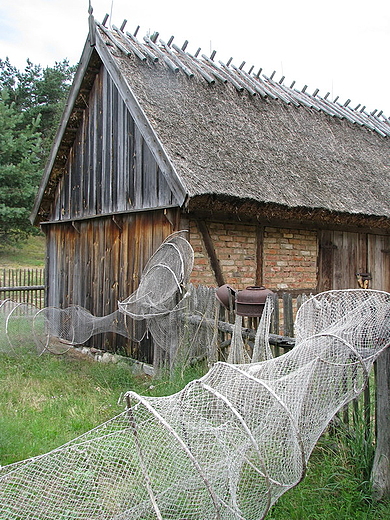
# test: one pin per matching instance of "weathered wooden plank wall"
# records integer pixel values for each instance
(379, 261)
(96, 262)
(342, 254)
(110, 169)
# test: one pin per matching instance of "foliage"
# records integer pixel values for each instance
(31, 102)
(19, 171)
(38, 93)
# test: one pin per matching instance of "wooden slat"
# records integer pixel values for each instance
(288, 316)
(152, 141)
(74, 92)
(137, 180)
(110, 168)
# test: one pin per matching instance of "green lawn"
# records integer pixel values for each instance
(49, 400)
(29, 254)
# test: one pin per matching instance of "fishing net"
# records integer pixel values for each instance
(225, 447)
(188, 332)
(156, 301)
(163, 280)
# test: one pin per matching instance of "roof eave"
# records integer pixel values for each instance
(69, 106)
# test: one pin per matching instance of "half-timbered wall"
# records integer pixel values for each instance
(249, 254)
(109, 169)
(286, 259)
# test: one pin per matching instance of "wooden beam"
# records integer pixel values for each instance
(215, 265)
(106, 215)
(221, 210)
(259, 255)
(23, 288)
(224, 326)
(380, 476)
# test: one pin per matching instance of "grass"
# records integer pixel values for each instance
(29, 254)
(335, 487)
(46, 401)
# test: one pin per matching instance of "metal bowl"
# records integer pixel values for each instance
(250, 302)
(226, 295)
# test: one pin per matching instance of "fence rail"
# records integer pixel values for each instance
(23, 285)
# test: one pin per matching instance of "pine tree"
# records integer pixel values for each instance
(31, 103)
(20, 145)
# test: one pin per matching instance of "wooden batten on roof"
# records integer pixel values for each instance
(218, 132)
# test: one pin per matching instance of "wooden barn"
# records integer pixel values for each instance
(277, 187)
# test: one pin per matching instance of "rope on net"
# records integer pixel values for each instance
(225, 447)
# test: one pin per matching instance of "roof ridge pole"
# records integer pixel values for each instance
(175, 59)
(144, 48)
(210, 80)
(132, 47)
(92, 26)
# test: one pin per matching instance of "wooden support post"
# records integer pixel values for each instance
(259, 255)
(380, 475)
(288, 321)
(215, 265)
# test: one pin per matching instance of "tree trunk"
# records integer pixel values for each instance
(380, 475)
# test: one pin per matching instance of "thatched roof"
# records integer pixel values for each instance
(231, 133)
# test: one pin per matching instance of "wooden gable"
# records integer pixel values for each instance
(110, 168)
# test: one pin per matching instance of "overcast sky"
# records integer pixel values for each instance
(340, 46)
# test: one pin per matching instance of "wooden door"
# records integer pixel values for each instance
(343, 254)
(378, 263)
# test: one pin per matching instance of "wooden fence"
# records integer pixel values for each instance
(23, 285)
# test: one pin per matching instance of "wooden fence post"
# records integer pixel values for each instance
(380, 475)
(288, 318)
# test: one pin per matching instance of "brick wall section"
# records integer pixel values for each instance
(202, 273)
(290, 259)
(235, 247)
(289, 256)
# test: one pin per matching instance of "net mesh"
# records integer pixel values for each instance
(225, 447)
(156, 307)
